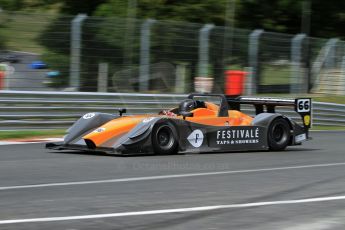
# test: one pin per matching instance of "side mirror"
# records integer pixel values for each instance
(122, 111)
(186, 114)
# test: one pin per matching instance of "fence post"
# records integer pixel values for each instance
(253, 53)
(181, 75)
(249, 85)
(323, 61)
(330, 60)
(342, 91)
(204, 34)
(144, 70)
(102, 85)
(297, 81)
(74, 74)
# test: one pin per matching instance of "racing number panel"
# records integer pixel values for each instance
(303, 107)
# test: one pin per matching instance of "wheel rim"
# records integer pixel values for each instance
(279, 134)
(164, 137)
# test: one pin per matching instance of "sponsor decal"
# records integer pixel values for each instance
(99, 130)
(148, 119)
(238, 136)
(89, 115)
(196, 138)
(306, 120)
(300, 138)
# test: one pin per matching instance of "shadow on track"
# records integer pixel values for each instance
(93, 153)
(300, 149)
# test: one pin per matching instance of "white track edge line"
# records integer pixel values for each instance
(41, 140)
(168, 211)
(167, 176)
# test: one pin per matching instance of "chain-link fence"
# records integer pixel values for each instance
(63, 52)
(31, 46)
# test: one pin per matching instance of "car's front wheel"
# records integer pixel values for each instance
(164, 139)
(278, 134)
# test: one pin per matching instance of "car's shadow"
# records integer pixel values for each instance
(263, 151)
(108, 154)
(300, 149)
(288, 150)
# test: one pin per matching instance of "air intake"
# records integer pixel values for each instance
(90, 144)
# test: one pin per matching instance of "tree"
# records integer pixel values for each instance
(327, 17)
(271, 15)
(86, 6)
(105, 39)
(11, 4)
(189, 10)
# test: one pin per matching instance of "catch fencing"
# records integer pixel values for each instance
(109, 54)
(58, 110)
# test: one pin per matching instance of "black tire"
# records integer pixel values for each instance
(278, 134)
(164, 139)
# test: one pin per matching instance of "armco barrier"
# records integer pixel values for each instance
(48, 110)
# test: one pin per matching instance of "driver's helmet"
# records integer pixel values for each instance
(187, 105)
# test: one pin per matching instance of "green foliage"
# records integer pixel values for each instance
(57, 50)
(271, 15)
(327, 17)
(85, 6)
(115, 8)
(29, 5)
(57, 62)
(187, 10)
(11, 4)
(110, 39)
(55, 36)
(275, 75)
(107, 42)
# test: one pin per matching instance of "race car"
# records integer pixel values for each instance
(194, 126)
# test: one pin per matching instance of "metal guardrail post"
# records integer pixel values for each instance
(204, 34)
(254, 38)
(74, 75)
(297, 75)
(144, 70)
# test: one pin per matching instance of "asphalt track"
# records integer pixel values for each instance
(301, 188)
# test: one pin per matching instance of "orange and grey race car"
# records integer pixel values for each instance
(194, 126)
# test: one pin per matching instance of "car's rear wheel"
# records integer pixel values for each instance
(164, 139)
(278, 134)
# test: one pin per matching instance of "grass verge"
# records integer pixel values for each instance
(330, 99)
(330, 128)
(24, 134)
(17, 134)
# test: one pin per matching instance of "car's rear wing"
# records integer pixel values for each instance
(303, 106)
